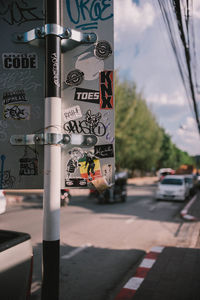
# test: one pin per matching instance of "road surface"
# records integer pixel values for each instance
(101, 244)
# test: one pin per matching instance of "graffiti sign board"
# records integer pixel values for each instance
(21, 95)
(88, 93)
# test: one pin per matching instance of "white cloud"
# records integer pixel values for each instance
(176, 99)
(131, 18)
(196, 8)
(187, 136)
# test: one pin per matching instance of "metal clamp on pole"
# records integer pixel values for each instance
(70, 38)
(53, 139)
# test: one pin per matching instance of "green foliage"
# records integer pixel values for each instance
(140, 142)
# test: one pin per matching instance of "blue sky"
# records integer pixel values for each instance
(143, 54)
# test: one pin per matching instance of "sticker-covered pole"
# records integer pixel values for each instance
(52, 155)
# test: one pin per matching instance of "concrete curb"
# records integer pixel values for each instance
(130, 288)
(184, 212)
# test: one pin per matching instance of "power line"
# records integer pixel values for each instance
(183, 45)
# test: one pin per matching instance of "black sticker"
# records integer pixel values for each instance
(28, 165)
(106, 89)
(19, 61)
(14, 96)
(104, 151)
(75, 182)
(86, 95)
(102, 49)
(74, 78)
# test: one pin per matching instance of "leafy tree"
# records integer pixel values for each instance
(140, 142)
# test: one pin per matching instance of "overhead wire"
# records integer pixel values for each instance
(171, 27)
(184, 50)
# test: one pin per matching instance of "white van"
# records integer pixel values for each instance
(2, 202)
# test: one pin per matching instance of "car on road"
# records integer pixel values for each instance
(190, 180)
(172, 187)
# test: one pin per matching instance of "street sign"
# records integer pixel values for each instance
(21, 94)
(88, 92)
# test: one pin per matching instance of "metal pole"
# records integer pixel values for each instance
(52, 157)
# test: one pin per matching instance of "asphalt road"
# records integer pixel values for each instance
(101, 245)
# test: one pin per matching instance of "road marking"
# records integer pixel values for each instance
(157, 249)
(147, 263)
(76, 251)
(134, 283)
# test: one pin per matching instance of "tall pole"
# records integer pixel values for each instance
(52, 156)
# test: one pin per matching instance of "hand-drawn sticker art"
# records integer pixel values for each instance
(107, 173)
(15, 96)
(72, 113)
(6, 179)
(19, 12)
(74, 78)
(86, 95)
(28, 165)
(106, 89)
(90, 168)
(90, 65)
(102, 49)
(16, 112)
(19, 61)
(104, 151)
(91, 125)
(73, 163)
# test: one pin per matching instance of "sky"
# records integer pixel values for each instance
(143, 54)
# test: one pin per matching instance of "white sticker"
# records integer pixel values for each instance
(72, 113)
(16, 112)
(89, 65)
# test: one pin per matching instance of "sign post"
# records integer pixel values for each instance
(52, 154)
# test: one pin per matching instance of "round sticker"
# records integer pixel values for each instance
(74, 78)
(102, 49)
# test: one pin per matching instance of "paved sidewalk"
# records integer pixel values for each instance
(173, 276)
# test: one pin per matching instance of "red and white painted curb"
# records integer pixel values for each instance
(130, 288)
(184, 211)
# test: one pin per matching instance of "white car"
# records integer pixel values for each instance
(189, 178)
(2, 202)
(172, 187)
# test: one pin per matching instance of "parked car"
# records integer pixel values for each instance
(2, 202)
(190, 180)
(172, 187)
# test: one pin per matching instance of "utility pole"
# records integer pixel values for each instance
(52, 153)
